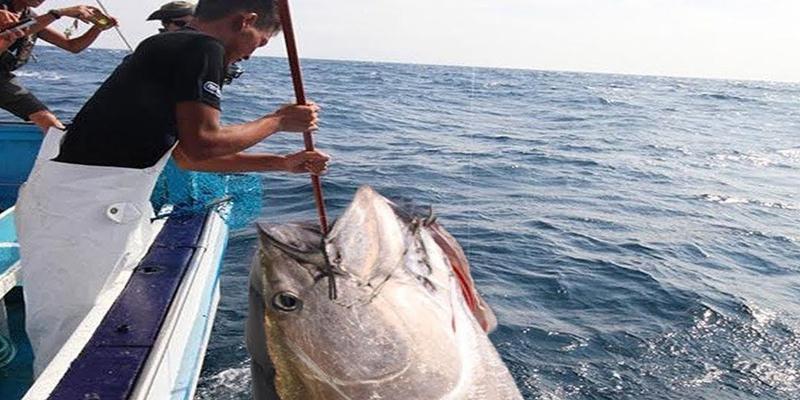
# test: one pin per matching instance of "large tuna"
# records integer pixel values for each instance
(383, 307)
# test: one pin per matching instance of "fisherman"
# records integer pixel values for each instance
(14, 98)
(85, 215)
(176, 15)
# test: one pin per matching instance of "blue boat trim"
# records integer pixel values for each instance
(111, 362)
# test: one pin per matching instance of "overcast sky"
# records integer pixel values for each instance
(746, 39)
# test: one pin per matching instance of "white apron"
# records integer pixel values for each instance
(78, 227)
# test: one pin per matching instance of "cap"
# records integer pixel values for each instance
(174, 9)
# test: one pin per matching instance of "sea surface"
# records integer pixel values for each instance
(638, 237)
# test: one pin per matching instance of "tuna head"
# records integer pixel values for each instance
(373, 310)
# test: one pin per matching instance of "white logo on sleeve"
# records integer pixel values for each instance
(213, 89)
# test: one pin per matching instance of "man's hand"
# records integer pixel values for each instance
(87, 14)
(297, 118)
(315, 162)
(112, 22)
(7, 39)
(7, 18)
(104, 22)
(9, 36)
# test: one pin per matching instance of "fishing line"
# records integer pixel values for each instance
(116, 27)
(470, 171)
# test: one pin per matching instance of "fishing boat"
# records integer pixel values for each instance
(146, 336)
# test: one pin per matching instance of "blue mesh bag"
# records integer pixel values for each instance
(193, 192)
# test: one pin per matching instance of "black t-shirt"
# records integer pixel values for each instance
(130, 120)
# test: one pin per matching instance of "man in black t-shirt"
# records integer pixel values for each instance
(170, 90)
(175, 16)
(84, 215)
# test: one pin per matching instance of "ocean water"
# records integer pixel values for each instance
(637, 236)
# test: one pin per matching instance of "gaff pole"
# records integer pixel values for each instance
(299, 92)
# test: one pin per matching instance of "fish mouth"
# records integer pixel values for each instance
(301, 241)
(304, 243)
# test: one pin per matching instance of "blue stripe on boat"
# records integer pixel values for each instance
(109, 365)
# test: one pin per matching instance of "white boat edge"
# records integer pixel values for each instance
(173, 366)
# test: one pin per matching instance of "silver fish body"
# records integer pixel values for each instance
(382, 308)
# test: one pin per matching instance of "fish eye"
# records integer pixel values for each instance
(286, 302)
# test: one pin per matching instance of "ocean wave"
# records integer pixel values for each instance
(660, 148)
(565, 118)
(40, 75)
(791, 154)
(753, 359)
(610, 101)
(756, 234)
(779, 158)
(228, 384)
(727, 97)
(500, 85)
(724, 199)
(754, 159)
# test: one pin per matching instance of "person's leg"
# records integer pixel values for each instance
(17, 100)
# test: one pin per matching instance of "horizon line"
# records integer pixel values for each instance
(511, 68)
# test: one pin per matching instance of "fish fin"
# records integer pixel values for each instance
(458, 262)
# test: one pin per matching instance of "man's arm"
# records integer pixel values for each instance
(7, 40)
(75, 45)
(80, 43)
(305, 161)
(201, 136)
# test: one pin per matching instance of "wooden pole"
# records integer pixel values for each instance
(299, 91)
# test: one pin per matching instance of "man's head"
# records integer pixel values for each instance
(243, 25)
(174, 15)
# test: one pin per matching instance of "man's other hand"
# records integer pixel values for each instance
(314, 162)
(87, 14)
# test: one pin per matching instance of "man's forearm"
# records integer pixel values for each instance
(42, 21)
(240, 162)
(202, 137)
(80, 43)
(233, 139)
